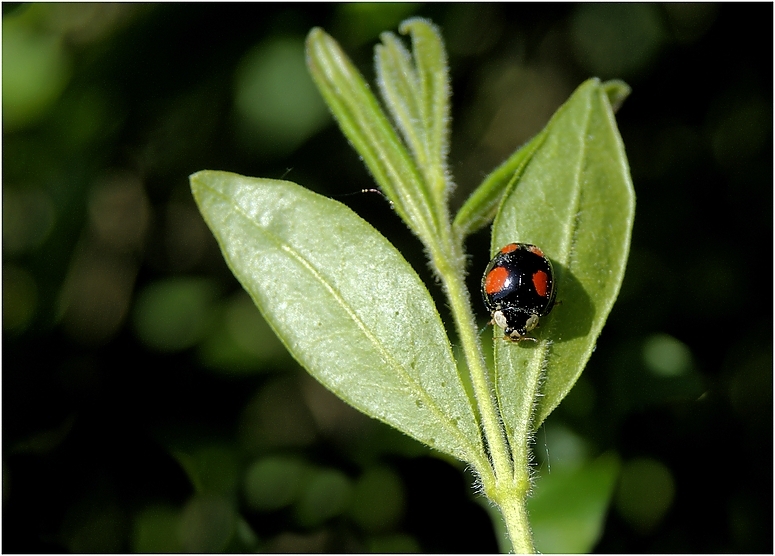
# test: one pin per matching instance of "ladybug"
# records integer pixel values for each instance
(518, 287)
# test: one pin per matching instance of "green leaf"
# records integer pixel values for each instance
(212, 468)
(366, 126)
(417, 96)
(345, 303)
(617, 92)
(480, 208)
(576, 202)
(568, 507)
(155, 529)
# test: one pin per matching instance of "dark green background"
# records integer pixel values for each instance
(143, 398)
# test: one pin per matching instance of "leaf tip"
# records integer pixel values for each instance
(617, 92)
(197, 178)
(315, 33)
(315, 41)
(405, 27)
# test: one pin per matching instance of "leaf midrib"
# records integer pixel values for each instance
(573, 227)
(566, 250)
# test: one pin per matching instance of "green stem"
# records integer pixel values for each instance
(507, 482)
(460, 305)
(522, 431)
(512, 506)
(511, 499)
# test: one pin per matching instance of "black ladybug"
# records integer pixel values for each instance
(518, 287)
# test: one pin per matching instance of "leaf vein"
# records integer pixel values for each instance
(374, 340)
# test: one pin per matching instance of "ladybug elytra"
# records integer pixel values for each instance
(518, 287)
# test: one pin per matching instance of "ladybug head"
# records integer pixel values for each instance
(516, 324)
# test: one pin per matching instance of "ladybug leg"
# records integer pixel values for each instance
(523, 339)
(516, 338)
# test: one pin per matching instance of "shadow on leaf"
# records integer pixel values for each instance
(573, 311)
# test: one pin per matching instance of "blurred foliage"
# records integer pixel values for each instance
(148, 407)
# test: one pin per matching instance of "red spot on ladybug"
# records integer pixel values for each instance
(540, 281)
(496, 280)
(509, 248)
(536, 250)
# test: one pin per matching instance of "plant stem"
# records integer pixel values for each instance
(505, 484)
(460, 305)
(511, 498)
(512, 505)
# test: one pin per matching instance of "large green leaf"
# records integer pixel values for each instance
(575, 200)
(345, 303)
